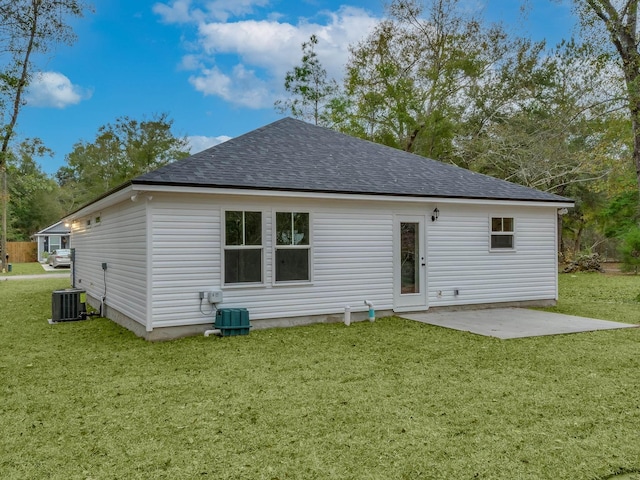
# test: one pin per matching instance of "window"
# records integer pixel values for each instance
(243, 247)
(292, 247)
(502, 233)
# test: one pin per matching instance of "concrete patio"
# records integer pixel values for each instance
(513, 322)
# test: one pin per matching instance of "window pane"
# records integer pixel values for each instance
(507, 224)
(501, 241)
(292, 264)
(283, 228)
(301, 228)
(252, 228)
(242, 266)
(496, 224)
(233, 228)
(409, 256)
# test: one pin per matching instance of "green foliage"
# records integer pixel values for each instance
(33, 195)
(611, 27)
(393, 399)
(119, 153)
(27, 28)
(622, 213)
(630, 250)
(406, 80)
(309, 87)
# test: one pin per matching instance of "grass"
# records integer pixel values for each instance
(33, 268)
(393, 399)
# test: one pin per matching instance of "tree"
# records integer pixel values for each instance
(119, 153)
(27, 27)
(409, 82)
(34, 196)
(620, 20)
(630, 251)
(309, 87)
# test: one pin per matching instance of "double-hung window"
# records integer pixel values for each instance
(502, 233)
(242, 247)
(292, 247)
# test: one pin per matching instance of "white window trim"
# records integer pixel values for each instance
(512, 233)
(274, 247)
(223, 248)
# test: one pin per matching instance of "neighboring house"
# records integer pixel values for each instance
(52, 238)
(295, 222)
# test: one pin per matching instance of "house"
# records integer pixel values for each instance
(296, 222)
(52, 238)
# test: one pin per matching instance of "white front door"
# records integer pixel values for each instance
(409, 263)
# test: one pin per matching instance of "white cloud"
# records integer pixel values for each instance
(181, 11)
(241, 86)
(178, 11)
(245, 62)
(198, 143)
(53, 89)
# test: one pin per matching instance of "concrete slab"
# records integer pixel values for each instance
(513, 322)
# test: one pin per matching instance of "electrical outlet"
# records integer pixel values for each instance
(202, 294)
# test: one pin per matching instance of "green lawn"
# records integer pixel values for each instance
(393, 399)
(33, 268)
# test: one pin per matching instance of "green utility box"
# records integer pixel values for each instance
(232, 321)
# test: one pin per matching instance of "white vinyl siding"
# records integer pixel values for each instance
(351, 252)
(186, 236)
(459, 257)
(351, 261)
(120, 242)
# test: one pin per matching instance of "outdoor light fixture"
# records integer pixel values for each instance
(436, 214)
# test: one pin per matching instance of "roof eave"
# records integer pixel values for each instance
(183, 186)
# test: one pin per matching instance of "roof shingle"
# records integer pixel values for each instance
(292, 155)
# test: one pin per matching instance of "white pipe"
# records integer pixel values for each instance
(347, 315)
(372, 312)
(215, 331)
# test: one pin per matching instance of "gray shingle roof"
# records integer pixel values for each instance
(292, 155)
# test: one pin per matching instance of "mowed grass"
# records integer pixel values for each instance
(393, 399)
(31, 268)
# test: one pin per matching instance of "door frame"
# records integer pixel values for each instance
(412, 301)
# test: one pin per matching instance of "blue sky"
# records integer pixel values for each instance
(215, 67)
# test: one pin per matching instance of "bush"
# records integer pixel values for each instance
(630, 251)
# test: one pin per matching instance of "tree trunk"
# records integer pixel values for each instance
(9, 129)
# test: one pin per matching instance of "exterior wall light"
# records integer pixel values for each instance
(436, 214)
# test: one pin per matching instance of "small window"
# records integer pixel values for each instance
(502, 233)
(243, 247)
(292, 247)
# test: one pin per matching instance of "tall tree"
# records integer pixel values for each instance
(119, 152)
(309, 87)
(620, 20)
(27, 27)
(408, 81)
(34, 201)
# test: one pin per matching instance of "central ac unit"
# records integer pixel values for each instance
(68, 305)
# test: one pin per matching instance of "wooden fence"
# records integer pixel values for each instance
(22, 252)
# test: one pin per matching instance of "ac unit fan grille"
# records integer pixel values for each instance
(67, 305)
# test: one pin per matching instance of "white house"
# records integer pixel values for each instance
(52, 238)
(296, 222)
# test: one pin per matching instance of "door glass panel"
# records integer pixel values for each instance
(409, 258)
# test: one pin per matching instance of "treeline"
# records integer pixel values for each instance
(119, 152)
(433, 81)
